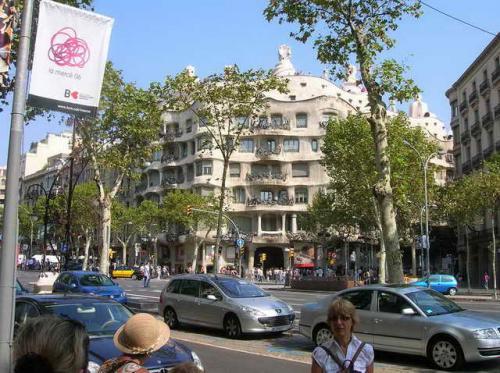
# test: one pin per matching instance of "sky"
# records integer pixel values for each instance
(155, 38)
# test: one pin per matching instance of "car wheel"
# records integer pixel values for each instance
(452, 291)
(322, 334)
(170, 318)
(445, 353)
(232, 327)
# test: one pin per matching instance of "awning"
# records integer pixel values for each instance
(304, 265)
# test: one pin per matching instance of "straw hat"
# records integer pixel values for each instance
(141, 334)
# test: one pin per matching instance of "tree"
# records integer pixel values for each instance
(118, 142)
(360, 29)
(224, 105)
(349, 200)
(175, 211)
(122, 225)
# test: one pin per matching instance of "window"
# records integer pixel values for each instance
(476, 116)
(239, 195)
(207, 289)
(189, 126)
(300, 170)
(184, 149)
(362, 300)
(190, 172)
(391, 303)
(242, 122)
(270, 144)
(206, 167)
(276, 120)
(314, 145)
(301, 120)
(301, 195)
(234, 169)
(448, 279)
(266, 195)
(291, 145)
(434, 279)
(193, 147)
(203, 143)
(259, 169)
(190, 288)
(173, 287)
(246, 146)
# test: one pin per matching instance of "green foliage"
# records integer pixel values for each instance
(345, 28)
(349, 199)
(84, 214)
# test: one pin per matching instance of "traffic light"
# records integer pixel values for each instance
(292, 253)
(264, 257)
(189, 210)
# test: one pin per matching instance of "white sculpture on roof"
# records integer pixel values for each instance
(418, 108)
(191, 71)
(351, 82)
(284, 67)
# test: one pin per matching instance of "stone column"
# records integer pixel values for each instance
(172, 257)
(259, 225)
(251, 255)
(283, 224)
(286, 259)
(414, 258)
(294, 223)
(203, 259)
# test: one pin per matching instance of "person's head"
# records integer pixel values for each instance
(342, 317)
(185, 368)
(51, 344)
(141, 335)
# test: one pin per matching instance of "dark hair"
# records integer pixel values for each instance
(61, 343)
(33, 363)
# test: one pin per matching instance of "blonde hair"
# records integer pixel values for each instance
(62, 343)
(342, 307)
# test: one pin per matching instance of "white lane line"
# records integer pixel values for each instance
(142, 296)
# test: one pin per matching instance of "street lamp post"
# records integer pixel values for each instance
(425, 165)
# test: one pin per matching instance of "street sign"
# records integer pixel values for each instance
(240, 242)
(64, 248)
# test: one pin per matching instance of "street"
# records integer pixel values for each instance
(288, 352)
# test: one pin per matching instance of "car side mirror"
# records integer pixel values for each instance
(211, 297)
(408, 311)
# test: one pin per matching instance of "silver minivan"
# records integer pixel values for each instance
(223, 302)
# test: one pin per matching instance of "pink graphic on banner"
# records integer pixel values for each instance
(66, 49)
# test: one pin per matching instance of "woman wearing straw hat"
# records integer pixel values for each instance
(138, 338)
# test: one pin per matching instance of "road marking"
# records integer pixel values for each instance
(273, 356)
(142, 296)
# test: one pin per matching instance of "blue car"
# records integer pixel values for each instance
(92, 283)
(445, 284)
(102, 317)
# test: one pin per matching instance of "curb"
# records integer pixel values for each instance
(148, 307)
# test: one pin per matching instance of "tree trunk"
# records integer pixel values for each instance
(105, 212)
(467, 258)
(381, 263)
(88, 240)
(220, 212)
(124, 252)
(494, 255)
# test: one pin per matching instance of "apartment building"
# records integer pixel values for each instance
(475, 122)
(272, 176)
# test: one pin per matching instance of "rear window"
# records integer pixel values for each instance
(173, 287)
(190, 287)
(95, 280)
(448, 279)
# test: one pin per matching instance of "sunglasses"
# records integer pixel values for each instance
(340, 317)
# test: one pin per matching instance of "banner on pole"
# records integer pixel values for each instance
(71, 49)
(8, 17)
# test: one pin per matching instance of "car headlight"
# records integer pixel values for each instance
(253, 311)
(197, 361)
(486, 334)
(93, 367)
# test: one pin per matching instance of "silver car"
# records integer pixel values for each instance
(411, 320)
(223, 302)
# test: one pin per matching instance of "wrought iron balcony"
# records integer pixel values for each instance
(484, 88)
(263, 152)
(168, 135)
(270, 202)
(466, 167)
(475, 129)
(497, 112)
(323, 124)
(266, 176)
(495, 76)
(487, 120)
(476, 160)
(178, 133)
(463, 107)
(168, 158)
(473, 98)
(488, 151)
(465, 136)
(454, 122)
(169, 180)
(273, 124)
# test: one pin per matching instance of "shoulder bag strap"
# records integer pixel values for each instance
(355, 356)
(334, 357)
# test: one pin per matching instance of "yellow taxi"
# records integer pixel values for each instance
(126, 272)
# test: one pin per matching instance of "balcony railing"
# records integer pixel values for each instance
(463, 107)
(284, 201)
(266, 176)
(466, 167)
(476, 160)
(263, 152)
(497, 111)
(487, 120)
(178, 133)
(473, 98)
(475, 129)
(273, 124)
(487, 152)
(465, 136)
(168, 135)
(495, 76)
(168, 158)
(484, 88)
(169, 180)
(454, 122)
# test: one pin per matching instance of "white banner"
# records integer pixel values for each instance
(70, 57)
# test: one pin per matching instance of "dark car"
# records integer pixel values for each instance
(101, 317)
(93, 283)
(20, 289)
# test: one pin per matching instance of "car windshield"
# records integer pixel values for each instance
(99, 318)
(433, 303)
(239, 289)
(95, 280)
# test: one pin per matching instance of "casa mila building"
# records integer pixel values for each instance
(273, 175)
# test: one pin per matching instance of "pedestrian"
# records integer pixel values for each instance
(344, 352)
(137, 339)
(147, 275)
(486, 280)
(51, 344)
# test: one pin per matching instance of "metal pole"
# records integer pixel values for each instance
(421, 237)
(70, 197)
(8, 254)
(427, 216)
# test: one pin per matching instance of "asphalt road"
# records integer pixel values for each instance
(289, 352)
